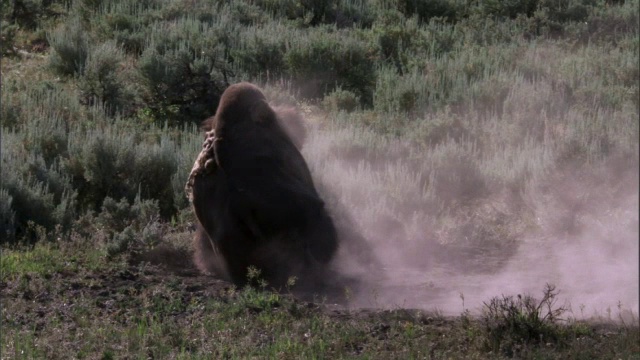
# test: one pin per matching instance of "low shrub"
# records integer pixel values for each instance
(513, 322)
(130, 227)
(341, 100)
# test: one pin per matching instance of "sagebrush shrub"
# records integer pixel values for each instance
(475, 86)
(114, 163)
(398, 41)
(10, 113)
(124, 22)
(33, 202)
(320, 11)
(116, 216)
(28, 14)
(439, 128)
(509, 8)
(425, 10)
(34, 180)
(181, 87)
(260, 52)
(101, 82)
(324, 60)
(350, 13)
(130, 226)
(247, 14)
(184, 70)
(7, 217)
(405, 94)
(287, 9)
(70, 44)
(565, 11)
(7, 38)
(63, 159)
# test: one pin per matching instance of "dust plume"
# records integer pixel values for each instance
(447, 240)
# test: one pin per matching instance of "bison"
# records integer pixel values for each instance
(254, 197)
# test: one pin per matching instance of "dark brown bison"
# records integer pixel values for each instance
(253, 195)
(289, 119)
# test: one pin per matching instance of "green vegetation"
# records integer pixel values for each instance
(462, 113)
(112, 310)
(515, 88)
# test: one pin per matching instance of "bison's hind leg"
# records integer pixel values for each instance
(206, 257)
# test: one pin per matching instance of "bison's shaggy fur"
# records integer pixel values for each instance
(254, 197)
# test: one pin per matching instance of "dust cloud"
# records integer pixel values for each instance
(576, 229)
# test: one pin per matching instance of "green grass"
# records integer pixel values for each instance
(46, 258)
(142, 311)
(40, 261)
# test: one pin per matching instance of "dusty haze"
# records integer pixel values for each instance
(579, 231)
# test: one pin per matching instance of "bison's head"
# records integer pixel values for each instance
(242, 103)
